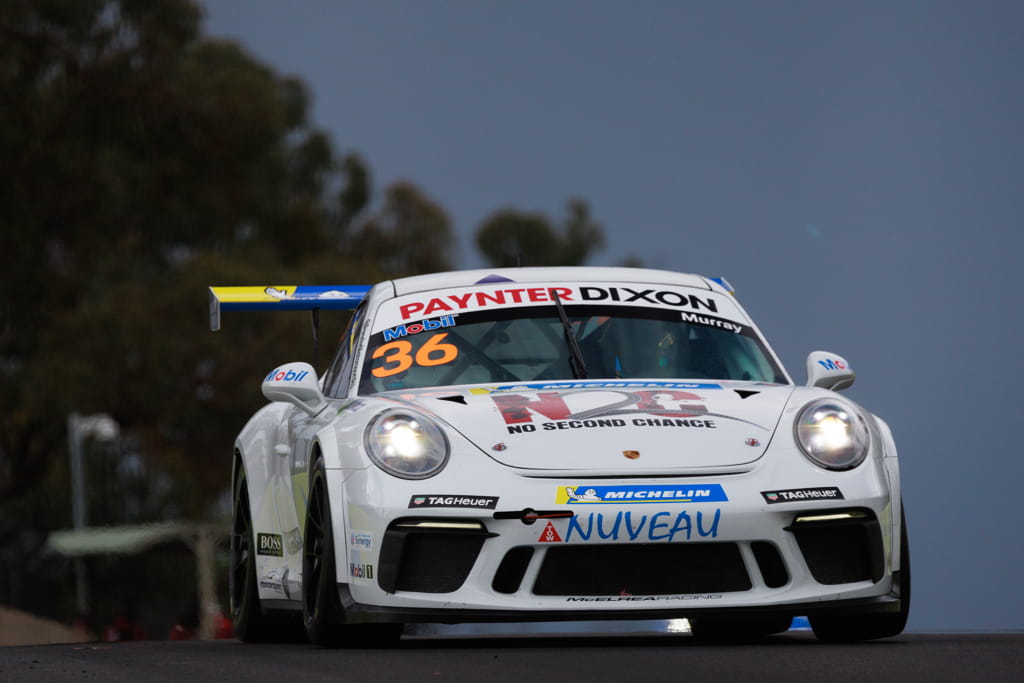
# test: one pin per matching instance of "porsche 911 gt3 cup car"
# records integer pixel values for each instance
(539, 444)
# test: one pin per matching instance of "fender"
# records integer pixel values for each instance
(325, 446)
(255, 452)
(890, 464)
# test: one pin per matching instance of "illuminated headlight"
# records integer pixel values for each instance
(832, 434)
(406, 444)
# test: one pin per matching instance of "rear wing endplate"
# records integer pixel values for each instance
(286, 298)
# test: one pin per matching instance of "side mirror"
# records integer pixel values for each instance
(295, 383)
(829, 371)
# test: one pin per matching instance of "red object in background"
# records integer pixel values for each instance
(223, 627)
(123, 628)
(179, 632)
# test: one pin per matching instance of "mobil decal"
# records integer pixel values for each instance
(627, 525)
(286, 375)
(360, 571)
(833, 364)
(422, 326)
(598, 495)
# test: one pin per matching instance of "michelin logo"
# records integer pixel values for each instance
(597, 495)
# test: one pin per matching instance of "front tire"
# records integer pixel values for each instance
(321, 609)
(859, 627)
(322, 612)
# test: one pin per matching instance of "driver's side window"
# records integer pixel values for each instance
(339, 374)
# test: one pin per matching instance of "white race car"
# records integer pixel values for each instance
(549, 444)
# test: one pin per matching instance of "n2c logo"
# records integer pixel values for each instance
(398, 356)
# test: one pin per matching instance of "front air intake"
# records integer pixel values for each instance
(642, 569)
(429, 555)
(840, 546)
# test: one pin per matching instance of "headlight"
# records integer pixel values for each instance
(832, 434)
(406, 444)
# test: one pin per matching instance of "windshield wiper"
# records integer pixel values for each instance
(579, 369)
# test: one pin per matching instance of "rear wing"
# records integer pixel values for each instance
(286, 298)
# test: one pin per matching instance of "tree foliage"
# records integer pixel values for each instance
(511, 238)
(142, 164)
(409, 234)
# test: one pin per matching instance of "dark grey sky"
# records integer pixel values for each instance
(855, 169)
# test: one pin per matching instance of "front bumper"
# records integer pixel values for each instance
(618, 560)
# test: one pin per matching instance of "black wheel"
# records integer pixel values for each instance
(858, 627)
(724, 630)
(321, 608)
(251, 625)
(322, 612)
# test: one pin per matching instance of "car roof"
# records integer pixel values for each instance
(463, 278)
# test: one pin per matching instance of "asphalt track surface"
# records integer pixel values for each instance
(790, 657)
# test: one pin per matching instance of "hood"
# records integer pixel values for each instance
(612, 426)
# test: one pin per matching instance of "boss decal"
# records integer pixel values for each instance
(269, 544)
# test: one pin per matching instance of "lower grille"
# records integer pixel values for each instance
(512, 568)
(429, 556)
(841, 546)
(769, 561)
(647, 569)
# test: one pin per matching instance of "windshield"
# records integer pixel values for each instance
(528, 344)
